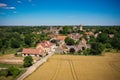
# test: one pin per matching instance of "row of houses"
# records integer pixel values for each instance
(42, 49)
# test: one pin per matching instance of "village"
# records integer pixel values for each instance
(64, 40)
(47, 47)
(57, 43)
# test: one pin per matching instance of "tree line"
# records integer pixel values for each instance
(19, 37)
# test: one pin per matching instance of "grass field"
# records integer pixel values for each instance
(3, 65)
(71, 67)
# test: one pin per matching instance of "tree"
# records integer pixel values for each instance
(92, 39)
(0, 44)
(28, 40)
(96, 48)
(77, 42)
(66, 30)
(116, 43)
(15, 43)
(72, 50)
(69, 41)
(103, 38)
(14, 71)
(4, 72)
(86, 52)
(27, 61)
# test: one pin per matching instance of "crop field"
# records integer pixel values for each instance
(71, 67)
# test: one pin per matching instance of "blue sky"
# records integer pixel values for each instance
(59, 12)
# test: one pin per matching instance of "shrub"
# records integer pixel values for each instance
(27, 61)
(72, 50)
(96, 48)
(13, 71)
(4, 72)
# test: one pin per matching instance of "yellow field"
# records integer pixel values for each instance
(70, 67)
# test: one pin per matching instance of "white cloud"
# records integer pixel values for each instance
(9, 8)
(19, 2)
(3, 5)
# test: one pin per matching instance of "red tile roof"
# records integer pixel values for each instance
(61, 37)
(45, 44)
(30, 51)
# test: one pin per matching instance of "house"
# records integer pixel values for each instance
(61, 39)
(42, 49)
(75, 36)
(32, 52)
(111, 35)
(46, 46)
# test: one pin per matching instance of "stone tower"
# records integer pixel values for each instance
(81, 28)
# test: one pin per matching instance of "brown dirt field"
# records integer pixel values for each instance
(71, 67)
(10, 58)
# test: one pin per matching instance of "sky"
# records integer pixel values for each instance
(59, 12)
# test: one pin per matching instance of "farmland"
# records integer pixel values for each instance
(71, 67)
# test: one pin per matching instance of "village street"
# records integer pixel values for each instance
(34, 66)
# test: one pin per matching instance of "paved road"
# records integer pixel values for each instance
(34, 67)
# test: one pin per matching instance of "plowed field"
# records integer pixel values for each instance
(71, 67)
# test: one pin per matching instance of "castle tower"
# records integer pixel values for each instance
(81, 28)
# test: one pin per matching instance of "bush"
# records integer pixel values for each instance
(72, 50)
(4, 72)
(86, 52)
(69, 41)
(13, 71)
(27, 61)
(96, 48)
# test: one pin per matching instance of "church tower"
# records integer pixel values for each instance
(81, 28)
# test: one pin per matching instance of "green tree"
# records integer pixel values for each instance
(14, 71)
(116, 43)
(72, 50)
(86, 52)
(77, 42)
(28, 40)
(0, 44)
(103, 38)
(69, 41)
(96, 48)
(27, 61)
(4, 72)
(92, 39)
(15, 43)
(66, 30)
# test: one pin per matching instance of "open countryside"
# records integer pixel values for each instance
(59, 39)
(71, 67)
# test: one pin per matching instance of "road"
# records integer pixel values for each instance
(34, 67)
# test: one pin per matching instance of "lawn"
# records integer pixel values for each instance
(3, 65)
